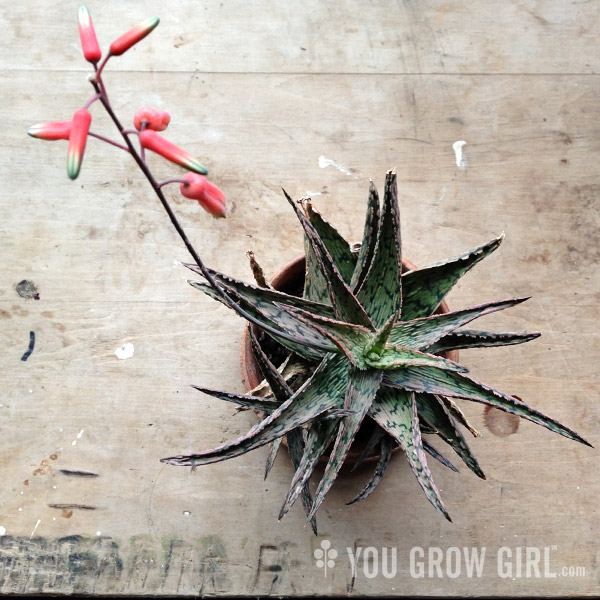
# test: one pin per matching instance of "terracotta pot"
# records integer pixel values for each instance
(290, 277)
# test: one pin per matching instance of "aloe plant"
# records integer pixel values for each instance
(373, 345)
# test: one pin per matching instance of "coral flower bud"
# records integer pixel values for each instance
(210, 197)
(133, 36)
(52, 130)
(155, 142)
(89, 42)
(80, 126)
(155, 119)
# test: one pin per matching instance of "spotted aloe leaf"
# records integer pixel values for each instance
(307, 352)
(386, 445)
(449, 383)
(396, 412)
(463, 339)
(423, 332)
(433, 411)
(352, 340)
(425, 288)
(435, 454)
(253, 293)
(336, 245)
(315, 286)
(369, 241)
(319, 394)
(345, 304)
(296, 451)
(320, 436)
(272, 455)
(260, 301)
(360, 393)
(394, 357)
(278, 386)
(265, 405)
(281, 390)
(381, 292)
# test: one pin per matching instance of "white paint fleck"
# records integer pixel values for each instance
(92, 310)
(186, 513)
(443, 194)
(98, 533)
(176, 263)
(310, 194)
(461, 160)
(20, 509)
(2, 530)
(327, 162)
(36, 526)
(80, 434)
(31, 391)
(60, 430)
(74, 443)
(125, 351)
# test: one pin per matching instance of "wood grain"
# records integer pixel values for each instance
(260, 91)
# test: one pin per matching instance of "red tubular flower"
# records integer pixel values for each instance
(52, 130)
(89, 42)
(155, 119)
(80, 125)
(133, 36)
(155, 142)
(210, 197)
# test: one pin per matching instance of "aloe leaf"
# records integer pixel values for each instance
(438, 456)
(320, 436)
(394, 357)
(352, 340)
(421, 333)
(381, 292)
(315, 286)
(361, 390)
(337, 246)
(269, 313)
(305, 352)
(433, 411)
(397, 414)
(464, 339)
(345, 304)
(296, 451)
(252, 293)
(424, 289)
(320, 393)
(449, 383)
(374, 440)
(385, 454)
(265, 405)
(369, 241)
(272, 455)
(281, 390)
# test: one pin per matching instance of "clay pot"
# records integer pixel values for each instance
(291, 277)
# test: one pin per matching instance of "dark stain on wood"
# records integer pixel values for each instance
(75, 473)
(29, 350)
(66, 506)
(27, 289)
(500, 423)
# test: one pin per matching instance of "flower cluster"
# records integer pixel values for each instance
(147, 122)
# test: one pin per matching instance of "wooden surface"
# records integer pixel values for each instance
(260, 91)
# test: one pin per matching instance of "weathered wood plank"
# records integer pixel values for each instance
(105, 265)
(407, 36)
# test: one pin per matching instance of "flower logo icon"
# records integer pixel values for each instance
(325, 556)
